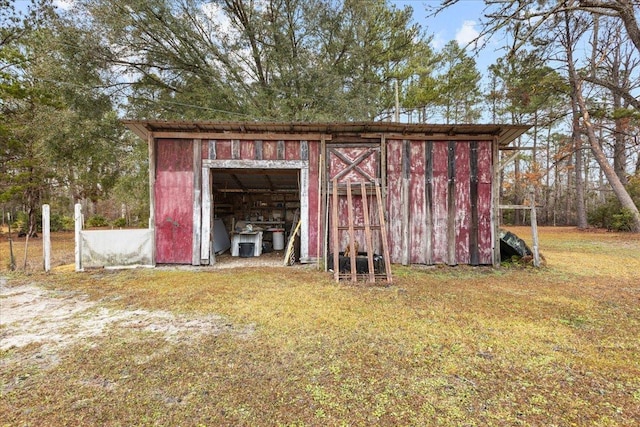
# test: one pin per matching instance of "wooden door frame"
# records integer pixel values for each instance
(207, 202)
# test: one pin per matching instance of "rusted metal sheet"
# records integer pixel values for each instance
(247, 150)
(439, 202)
(173, 193)
(462, 202)
(418, 225)
(223, 150)
(292, 150)
(394, 191)
(484, 202)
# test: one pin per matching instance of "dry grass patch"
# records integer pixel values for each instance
(442, 346)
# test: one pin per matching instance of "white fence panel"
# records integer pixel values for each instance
(116, 248)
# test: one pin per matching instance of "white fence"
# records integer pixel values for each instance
(112, 248)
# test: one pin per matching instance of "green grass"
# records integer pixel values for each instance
(442, 346)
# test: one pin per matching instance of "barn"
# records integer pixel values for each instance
(438, 188)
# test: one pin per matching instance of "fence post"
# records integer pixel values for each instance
(46, 237)
(78, 241)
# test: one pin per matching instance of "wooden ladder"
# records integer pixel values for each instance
(367, 226)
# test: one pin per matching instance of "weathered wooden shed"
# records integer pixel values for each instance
(440, 186)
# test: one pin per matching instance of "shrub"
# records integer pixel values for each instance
(120, 222)
(611, 214)
(61, 223)
(622, 221)
(96, 221)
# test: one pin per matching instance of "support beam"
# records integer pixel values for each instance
(197, 202)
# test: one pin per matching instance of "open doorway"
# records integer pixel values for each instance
(253, 212)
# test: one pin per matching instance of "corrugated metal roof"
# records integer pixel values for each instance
(505, 133)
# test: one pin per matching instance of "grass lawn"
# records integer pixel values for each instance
(445, 346)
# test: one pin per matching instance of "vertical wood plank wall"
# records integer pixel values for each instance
(438, 194)
(174, 196)
(449, 201)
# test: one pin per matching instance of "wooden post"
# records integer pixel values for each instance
(352, 234)
(534, 228)
(151, 145)
(46, 237)
(495, 202)
(78, 240)
(367, 232)
(197, 202)
(207, 255)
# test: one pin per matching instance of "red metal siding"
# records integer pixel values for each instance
(174, 202)
(462, 202)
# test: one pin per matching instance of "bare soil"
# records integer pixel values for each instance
(50, 321)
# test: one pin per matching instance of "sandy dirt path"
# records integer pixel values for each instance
(43, 322)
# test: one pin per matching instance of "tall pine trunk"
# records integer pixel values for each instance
(617, 186)
(576, 140)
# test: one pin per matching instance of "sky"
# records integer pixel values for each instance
(460, 22)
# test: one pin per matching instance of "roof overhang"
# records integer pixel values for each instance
(504, 134)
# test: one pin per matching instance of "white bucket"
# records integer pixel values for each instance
(278, 240)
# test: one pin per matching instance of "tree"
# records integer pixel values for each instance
(536, 20)
(457, 85)
(274, 59)
(61, 134)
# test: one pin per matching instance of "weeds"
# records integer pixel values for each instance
(442, 346)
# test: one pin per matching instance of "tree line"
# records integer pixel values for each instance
(569, 69)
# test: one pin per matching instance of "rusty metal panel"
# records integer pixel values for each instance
(173, 192)
(292, 150)
(247, 150)
(484, 202)
(394, 190)
(417, 226)
(462, 202)
(440, 198)
(223, 149)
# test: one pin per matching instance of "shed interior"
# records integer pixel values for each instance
(257, 200)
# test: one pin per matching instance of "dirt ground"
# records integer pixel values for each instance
(50, 321)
